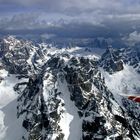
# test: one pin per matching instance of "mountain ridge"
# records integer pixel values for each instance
(57, 87)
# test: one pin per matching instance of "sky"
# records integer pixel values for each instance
(52, 15)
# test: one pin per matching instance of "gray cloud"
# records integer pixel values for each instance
(132, 39)
(19, 21)
(79, 6)
(93, 11)
(83, 8)
(42, 15)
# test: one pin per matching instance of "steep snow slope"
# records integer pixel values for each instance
(12, 127)
(121, 70)
(70, 121)
(125, 82)
(7, 93)
(9, 124)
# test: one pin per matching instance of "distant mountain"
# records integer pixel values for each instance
(50, 93)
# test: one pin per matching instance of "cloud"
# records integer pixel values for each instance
(78, 6)
(112, 15)
(93, 11)
(19, 21)
(132, 39)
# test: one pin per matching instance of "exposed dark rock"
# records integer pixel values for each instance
(42, 106)
(111, 61)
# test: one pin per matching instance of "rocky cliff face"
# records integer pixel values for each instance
(65, 97)
(14, 54)
(113, 59)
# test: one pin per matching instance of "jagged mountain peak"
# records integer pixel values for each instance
(62, 94)
(77, 83)
(113, 59)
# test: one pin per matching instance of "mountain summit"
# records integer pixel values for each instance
(50, 93)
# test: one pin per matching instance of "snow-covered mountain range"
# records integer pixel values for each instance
(50, 93)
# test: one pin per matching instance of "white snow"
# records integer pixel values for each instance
(10, 126)
(70, 122)
(29, 61)
(125, 82)
(2, 126)
(89, 53)
(74, 51)
(7, 94)
(11, 41)
(6, 89)
(47, 86)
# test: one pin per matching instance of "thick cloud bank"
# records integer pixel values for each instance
(41, 15)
